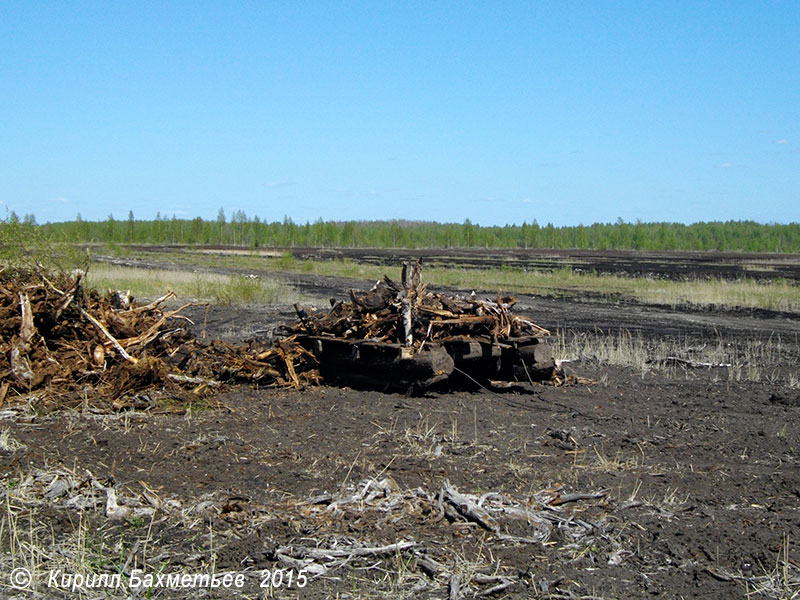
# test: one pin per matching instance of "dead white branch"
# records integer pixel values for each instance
(694, 364)
(467, 507)
(109, 337)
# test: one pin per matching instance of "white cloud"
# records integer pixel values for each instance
(59, 200)
(727, 165)
(784, 141)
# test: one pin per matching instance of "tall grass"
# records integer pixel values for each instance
(745, 293)
(188, 285)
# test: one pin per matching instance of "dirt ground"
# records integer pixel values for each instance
(641, 484)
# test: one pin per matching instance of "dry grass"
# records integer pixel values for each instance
(780, 580)
(91, 546)
(430, 440)
(767, 359)
(8, 443)
(193, 285)
(780, 295)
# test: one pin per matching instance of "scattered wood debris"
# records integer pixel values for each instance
(498, 519)
(328, 546)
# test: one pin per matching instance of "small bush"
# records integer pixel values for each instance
(28, 246)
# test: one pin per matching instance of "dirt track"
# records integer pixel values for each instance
(696, 476)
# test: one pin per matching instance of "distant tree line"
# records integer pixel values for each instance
(241, 230)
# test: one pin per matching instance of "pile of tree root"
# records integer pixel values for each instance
(408, 314)
(401, 336)
(62, 340)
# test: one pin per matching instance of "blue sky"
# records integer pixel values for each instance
(499, 112)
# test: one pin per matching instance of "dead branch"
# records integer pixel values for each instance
(26, 328)
(155, 303)
(455, 587)
(331, 553)
(466, 507)
(560, 499)
(194, 380)
(109, 337)
(694, 364)
(504, 584)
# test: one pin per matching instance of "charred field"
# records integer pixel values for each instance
(669, 468)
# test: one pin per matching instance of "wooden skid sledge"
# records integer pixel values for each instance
(461, 362)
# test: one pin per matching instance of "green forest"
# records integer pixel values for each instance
(244, 231)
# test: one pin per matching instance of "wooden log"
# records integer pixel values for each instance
(378, 365)
(532, 362)
(480, 360)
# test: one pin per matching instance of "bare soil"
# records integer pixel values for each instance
(691, 480)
